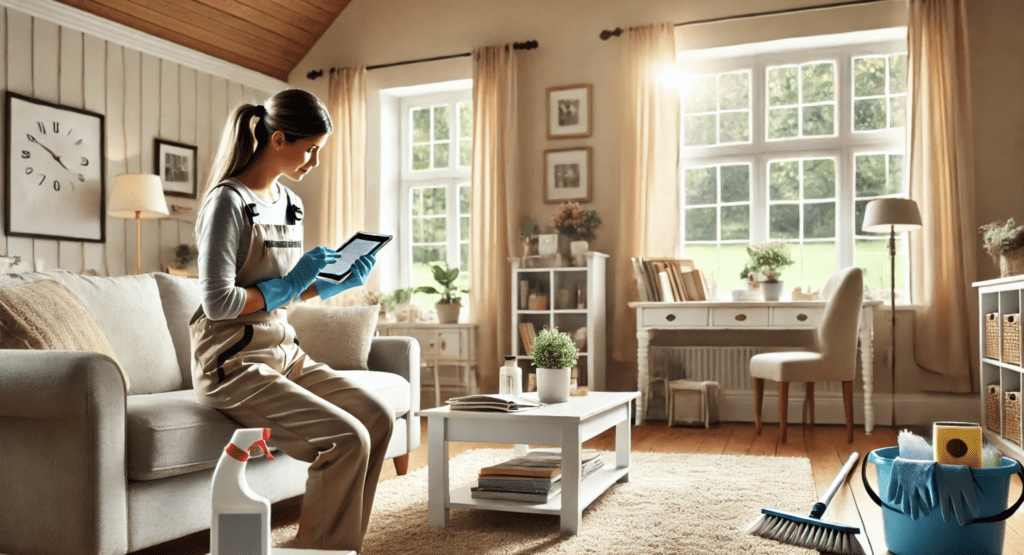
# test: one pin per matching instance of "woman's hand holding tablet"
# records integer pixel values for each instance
(359, 244)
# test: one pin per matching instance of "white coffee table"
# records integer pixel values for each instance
(565, 425)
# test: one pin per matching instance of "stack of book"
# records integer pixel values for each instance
(535, 478)
(669, 280)
(499, 403)
(528, 333)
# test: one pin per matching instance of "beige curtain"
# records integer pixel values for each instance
(649, 152)
(942, 183)
(494, 206)
(344, 191)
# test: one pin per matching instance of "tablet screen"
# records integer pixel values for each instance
(359, 244)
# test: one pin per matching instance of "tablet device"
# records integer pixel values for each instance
(358, 244)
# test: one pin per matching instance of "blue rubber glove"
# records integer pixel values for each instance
(912, 487)
(279, 292)
(360, 271)
(956, 485)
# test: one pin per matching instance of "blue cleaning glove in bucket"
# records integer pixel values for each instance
(956, 486)
(913, 487)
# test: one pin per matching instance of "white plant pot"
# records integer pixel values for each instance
(553, 385)
(448, 313)
(578, 251)
(772, 291)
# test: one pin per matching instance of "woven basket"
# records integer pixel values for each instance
(992, 408)
(992, 335)
(1011, 263)
(1011, 338)
(1011, 418)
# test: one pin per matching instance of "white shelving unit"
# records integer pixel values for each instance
(564, 288)
(1000, 296)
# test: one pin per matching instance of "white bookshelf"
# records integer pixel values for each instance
(1000, 296)
(562, 310)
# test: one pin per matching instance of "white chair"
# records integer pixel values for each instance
(835, 357)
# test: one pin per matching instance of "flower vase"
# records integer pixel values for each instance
(578, 251)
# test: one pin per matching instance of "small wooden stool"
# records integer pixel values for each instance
(692, 402)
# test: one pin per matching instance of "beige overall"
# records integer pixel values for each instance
(252, 369)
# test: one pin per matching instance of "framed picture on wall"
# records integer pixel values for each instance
(569, 112)
(176, 166)
(567, 175)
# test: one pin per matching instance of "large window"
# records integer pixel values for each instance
(790, 146)
(437, 147)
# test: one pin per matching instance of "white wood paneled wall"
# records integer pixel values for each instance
(142, 97)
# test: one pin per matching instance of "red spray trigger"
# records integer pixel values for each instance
(262, 444)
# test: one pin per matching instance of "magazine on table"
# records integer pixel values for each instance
(534, 478)
(500, 403)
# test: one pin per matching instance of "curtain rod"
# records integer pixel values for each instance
(606, 34)
(528, 45)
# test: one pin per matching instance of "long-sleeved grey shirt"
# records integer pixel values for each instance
(223, 234)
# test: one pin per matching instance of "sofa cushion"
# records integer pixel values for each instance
(391, 387)
(338, 336)
(46, 315)
(180, 299)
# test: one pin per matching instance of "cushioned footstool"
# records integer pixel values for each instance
(692, 402)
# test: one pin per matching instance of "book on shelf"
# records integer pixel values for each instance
(542, 464)
(521, 496)
(499, 403)
(534, 478)
(527, 334)
(669, 280)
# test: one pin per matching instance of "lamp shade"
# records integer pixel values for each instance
(891, 214)
(137, 193)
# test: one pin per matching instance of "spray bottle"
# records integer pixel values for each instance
(241, 517)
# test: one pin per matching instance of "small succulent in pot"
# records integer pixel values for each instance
(554, 349)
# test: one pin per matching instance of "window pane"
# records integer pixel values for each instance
(464, 265)
(819, 120)
(434, 201)
(416, 202)
(784, 221)
(818, 82)
(734, 91)
(435, 230)
(735, 222)
(464, 228)
(782, 86)
(869, 114)
(898, 111)
(872, 256)
(466, 152)
(463, 199)
(815, 263)
(701, 186)
(895, 174)
(897, 73)
(869, 76)
(871, 175)
(417, 230)
(701, 97)
(783, 123)
(465, 120)
(440, 155)
(699, 130)
(421, 157)
(701, 224)
(441, 130)
(820, 220)
(784, 180)
(736, 183)
(858, 219)
(734, 127)
(421, 125)
(820, 178)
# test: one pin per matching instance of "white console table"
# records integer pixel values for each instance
(743, 315)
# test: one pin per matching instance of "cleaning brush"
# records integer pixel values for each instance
(810, 531)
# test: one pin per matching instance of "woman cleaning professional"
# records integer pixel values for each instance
(246, 360)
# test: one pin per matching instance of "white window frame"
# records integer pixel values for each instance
(842, 146)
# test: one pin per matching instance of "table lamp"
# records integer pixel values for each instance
(892, 216)
(137, 196)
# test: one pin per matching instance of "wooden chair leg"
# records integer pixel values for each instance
(810, 402)
(848, 406)
(758, 397)
(783, 409)
(401, 464)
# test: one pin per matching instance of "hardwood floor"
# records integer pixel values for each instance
(825, 446)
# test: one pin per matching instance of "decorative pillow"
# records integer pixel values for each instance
(338, 336)
(46, 315)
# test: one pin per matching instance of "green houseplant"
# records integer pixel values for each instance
(1004, 242)
(449, 306)
(768, 260)
(554, 355)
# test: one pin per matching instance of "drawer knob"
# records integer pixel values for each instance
(801, 317)
(670, 317)
(442, 345)
(741, 317)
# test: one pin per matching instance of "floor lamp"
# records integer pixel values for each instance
(892, 216)
(138, 196)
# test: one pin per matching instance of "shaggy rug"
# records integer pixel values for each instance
(673, 503)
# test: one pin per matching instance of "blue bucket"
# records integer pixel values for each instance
(930, 534)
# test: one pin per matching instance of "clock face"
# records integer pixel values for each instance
(55, 170)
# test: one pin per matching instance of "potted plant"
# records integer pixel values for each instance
(527, 237)
(185, 254)
(554, 355)
(767, 260)
(448, 307)
(1004, 242)
(403, 303)
(578, 225)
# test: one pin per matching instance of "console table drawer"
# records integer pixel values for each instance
(447, 342)
(672, 317)
(740, 317)
(795, 317)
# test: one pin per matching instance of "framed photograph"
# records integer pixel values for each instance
(176, 166)
(54, 180)
(567, 175)
(569, 112)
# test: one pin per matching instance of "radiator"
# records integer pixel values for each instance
(729, 366)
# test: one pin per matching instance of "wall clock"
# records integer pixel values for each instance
(54, 180)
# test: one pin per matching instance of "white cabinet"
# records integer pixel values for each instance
(569, 298)
(999, 307)
(442, 346)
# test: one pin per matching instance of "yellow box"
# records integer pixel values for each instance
(957, 443)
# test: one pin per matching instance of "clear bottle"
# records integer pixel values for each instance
(511, 378)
